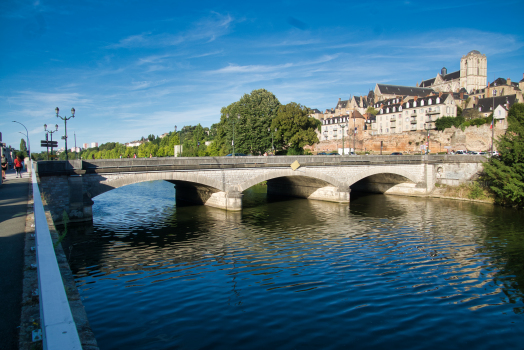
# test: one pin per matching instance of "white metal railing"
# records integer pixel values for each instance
(58, 327)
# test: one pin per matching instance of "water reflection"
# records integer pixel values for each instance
(384, 271)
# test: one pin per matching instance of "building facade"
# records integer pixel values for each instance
(399, 115)
(471, 76)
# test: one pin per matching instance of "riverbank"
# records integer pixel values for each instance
(473, 192)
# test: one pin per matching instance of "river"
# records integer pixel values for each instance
(383, 272)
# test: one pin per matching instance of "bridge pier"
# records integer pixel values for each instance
(194, 193)
(309, 188)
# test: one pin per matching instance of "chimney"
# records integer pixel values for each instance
(339, 99)
(415, 98)
(440, 94)
(508, 81)
(417, 83)
(462, 95)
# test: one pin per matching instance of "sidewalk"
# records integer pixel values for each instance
(13, 212)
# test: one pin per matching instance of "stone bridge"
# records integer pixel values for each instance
(220, 181)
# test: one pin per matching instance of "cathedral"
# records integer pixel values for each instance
(472, 75)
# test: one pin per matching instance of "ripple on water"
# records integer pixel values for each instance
(386, 272)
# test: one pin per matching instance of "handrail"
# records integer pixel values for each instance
(58, 327)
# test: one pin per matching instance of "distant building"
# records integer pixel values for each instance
(136, 143)
(85, 146)
(337, 125)
(76, 149)
(413, 114)
(164, 135)
(471, 76)
(94, 144)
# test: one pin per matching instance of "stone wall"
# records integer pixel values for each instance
(472, 138)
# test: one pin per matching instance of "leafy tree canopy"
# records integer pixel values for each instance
(256, 111)
(506, 172)
(295, 128)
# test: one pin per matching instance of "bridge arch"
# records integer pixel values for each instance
(306, 173)
(411, 174)
(101, 183)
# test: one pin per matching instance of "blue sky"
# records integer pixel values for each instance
(139, 67)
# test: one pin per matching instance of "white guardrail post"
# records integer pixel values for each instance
(58, 327)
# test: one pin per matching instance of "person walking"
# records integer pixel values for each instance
(4, 166)
(18, 166)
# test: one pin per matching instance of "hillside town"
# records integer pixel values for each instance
(395, 118)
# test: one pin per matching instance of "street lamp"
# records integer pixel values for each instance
(50, 132)
(272, 146)
(65, 119)
(27, 136)
(343, 126)
(233, 120)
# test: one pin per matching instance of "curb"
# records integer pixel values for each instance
(30, 315)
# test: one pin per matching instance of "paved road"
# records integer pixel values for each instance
(13, 210)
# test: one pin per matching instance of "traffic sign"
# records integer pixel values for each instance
(44, 143)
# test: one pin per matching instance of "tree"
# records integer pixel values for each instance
(506, 172)
(23, 146)
(371, 110)
(295, 128)
(256, 111)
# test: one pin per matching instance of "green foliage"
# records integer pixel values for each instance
(459, 111)
(295, 128)
(372, 110)
(475, 191)
(23, 146)
(506, 172)
(256, 111)
(65, 219)
(447, 122)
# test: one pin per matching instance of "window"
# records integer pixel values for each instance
(429, 102)
(394, 109)
(400, 108)
(494, 92)
(415, 104)
(438, 100)
(422, 103)
(387, 109)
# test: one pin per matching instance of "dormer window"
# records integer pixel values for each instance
(400, 108)
(438, 99)
(414, 103)
(394, 110)
(422, 103)
(387, 109)
(407, 105)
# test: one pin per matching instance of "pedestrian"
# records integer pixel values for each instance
(4, 166)
(150, 155)
(134, 155)
(18, 166)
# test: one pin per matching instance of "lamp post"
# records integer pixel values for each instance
(343, 126)
(65, 119)
(272, 146)
(233, 120)
(50, 132)
(427, 149)
(354, 134)
(27, 136)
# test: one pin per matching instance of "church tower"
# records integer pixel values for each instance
(473, 71)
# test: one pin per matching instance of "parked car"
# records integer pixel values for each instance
(333, 154)
(396, 153)
(461, 152)
(236, 155)
(321, 154)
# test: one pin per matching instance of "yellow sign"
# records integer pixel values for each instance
(295, 165)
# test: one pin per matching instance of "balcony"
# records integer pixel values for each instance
(393, 126)
(413, 121)
(414, 113)
(432, 112)
(393, 119)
